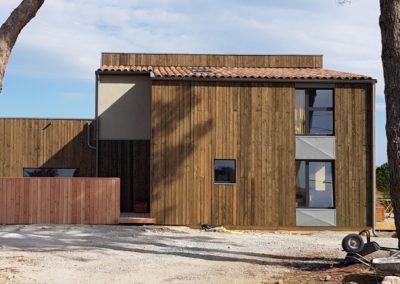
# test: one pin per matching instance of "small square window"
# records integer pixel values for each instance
(225, 171)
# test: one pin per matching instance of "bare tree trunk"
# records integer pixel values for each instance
(12, 27)
(389, 22)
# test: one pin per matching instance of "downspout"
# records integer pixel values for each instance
(88, 137)
(373, 162)
(96, 122)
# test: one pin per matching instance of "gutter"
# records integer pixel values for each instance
(88, 137)
(255, 80)
(129, 73)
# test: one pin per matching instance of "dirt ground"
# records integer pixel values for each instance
(152, 254)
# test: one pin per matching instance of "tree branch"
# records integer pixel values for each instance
(12, 27)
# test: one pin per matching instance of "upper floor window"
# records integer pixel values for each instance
(314, 112)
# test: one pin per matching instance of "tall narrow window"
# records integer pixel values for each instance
(314, 184)
(314, 111)
(300, 112)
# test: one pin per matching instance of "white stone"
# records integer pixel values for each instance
(391, 280)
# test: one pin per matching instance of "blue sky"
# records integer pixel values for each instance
(51, 70)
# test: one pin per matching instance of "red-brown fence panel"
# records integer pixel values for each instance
(53, 200)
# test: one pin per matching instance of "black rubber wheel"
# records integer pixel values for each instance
(353, 243)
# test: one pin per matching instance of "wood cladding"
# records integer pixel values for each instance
(47, 143)
(59, 200)
(130, 161)
(288, 61)
(194, 123)
(353, 173)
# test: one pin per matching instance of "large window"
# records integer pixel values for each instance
(314, 111)
(314, 184)
(50, 172)
(224, 171)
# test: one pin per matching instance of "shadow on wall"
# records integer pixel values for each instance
(124, 109)
(72, 148)
(175, 132)
(45, 143)
(128, 116)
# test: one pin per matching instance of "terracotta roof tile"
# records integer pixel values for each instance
(237, 72)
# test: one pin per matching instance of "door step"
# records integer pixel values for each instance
(136, 218)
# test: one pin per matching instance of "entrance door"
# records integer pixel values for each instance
(130, 161)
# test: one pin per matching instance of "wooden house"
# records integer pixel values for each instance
(247, 141)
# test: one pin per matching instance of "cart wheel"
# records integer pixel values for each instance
(353, 243)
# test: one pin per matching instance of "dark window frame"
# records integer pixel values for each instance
(58, 168)
(224, 182)
(308, 109)
(307, 183)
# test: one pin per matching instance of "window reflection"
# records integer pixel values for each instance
(321, 122)
(224, 171)
(300, 112)
(314, 112)
(50, 172)
(320, 98)
(314, 184)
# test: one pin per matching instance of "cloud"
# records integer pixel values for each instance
(67, 36)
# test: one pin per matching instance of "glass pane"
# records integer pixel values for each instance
(320, 185)
(225, 171)
(321, 122)
(300, 112)
(50, 172)
(301, 197)
(320, 98)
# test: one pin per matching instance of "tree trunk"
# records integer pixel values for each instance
(12, 27)
(389, 22)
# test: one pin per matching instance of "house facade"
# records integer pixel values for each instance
(247, 141)
(250, 141)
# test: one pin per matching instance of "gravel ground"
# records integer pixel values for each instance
(153, 254)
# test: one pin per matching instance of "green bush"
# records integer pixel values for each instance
(382, 178)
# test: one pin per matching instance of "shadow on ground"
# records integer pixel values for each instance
(155, 241)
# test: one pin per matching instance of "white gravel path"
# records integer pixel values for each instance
(128, 254)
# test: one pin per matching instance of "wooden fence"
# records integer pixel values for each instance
(59, 200)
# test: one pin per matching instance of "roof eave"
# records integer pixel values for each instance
(260, 80)
(226, 79)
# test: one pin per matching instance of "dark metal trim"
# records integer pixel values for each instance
(255, 80)
(125, 73)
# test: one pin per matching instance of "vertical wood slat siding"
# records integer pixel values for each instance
(48, 143)
(293, 61)
(353, 176)
(194, 123)
(130, 161)
(59, 200)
